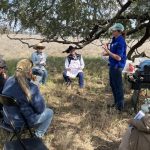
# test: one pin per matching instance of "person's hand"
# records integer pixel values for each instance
(131, 77)
(42, 63)
(105, 46)
(4, 75)
(68, 69)
(79, 68)
(104, 53)
(129, 121)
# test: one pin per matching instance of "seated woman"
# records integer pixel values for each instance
(30, 100)
(3, 78)
(74, 65)
(137, 136)
(39, 61)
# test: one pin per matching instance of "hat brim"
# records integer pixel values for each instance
(38, 47)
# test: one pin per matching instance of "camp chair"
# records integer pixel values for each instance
(32, 143)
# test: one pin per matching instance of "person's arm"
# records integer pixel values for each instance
(109, 53)
(67, 64)
(34, 59)
(43, 61)
(82, 63)
(119, 53)
(141, 125)
(37, 102)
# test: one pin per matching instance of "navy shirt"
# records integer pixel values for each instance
(118, 47)
(30, 110)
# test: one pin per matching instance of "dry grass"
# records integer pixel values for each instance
(81, 122)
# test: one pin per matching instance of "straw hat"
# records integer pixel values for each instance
(39, 46)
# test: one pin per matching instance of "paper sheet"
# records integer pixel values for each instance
(139, 115)
(73, 73)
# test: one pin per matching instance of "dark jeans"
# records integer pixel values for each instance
(42, 73)
(115, 75)
(80, 76)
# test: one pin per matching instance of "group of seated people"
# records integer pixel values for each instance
(21, 86)
(32, 103)
(74, 65)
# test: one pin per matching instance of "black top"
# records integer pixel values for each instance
(2, 82)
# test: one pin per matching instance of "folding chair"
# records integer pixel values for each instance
(32, 143)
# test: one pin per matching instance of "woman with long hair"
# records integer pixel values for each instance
(30, 100)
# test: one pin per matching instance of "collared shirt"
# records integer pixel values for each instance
(72, 59)
(39, 60)
(118, 47)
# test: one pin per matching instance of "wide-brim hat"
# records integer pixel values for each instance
(69, 49)
(39, 46)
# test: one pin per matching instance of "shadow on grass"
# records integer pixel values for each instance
(101, 144)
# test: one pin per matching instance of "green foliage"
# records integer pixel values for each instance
(65, 18)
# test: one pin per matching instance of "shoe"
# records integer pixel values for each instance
(67, 83)
(80, 91)
(111, 105)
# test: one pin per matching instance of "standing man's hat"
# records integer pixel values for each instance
(69, 49)
(39, 46)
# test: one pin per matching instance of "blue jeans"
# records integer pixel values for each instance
(42, 73)
(80, 76)
(44, 120)
(115, 75)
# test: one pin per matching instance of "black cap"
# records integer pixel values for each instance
(3, 64)
(69, 49)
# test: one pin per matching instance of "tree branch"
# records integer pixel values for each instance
(29, 46)
(63, 41)
(140, 27)
(138, 44)
(120, 3)
(103, 30)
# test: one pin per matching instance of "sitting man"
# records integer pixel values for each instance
(3, 78)
(74, 65)
(137, 136)
(39, 61)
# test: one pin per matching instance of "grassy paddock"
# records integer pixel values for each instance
(81, 122)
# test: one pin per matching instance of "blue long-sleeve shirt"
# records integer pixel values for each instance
(30, 110)
(118, 47)
(39, 60)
